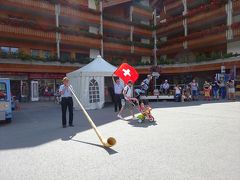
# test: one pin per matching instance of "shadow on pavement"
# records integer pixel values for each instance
(109, 150)
(39, 123)
(144, 124)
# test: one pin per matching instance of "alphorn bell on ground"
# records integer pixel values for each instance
(106, 143)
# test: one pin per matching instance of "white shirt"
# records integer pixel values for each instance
(118, 88)
(165, 86)
(128, 91)
(145, 84)
(177, 90)
(65, 90)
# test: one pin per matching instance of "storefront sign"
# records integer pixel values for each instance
(46, 76)
(14, 76)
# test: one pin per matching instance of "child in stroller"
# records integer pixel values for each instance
(145, 113)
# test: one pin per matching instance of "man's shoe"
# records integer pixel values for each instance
(71, 125)
(64, 126)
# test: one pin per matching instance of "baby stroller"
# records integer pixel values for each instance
(145, 113)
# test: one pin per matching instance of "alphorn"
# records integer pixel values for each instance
(106, 143)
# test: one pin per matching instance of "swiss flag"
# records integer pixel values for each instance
(127, 73)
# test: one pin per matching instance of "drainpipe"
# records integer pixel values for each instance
(229, 32)
(101, 26)
(185, 43)
(58, 35)
(131, 29)
(155, 37)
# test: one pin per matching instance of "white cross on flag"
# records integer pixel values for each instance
(127, 73)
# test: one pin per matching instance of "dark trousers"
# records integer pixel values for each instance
(223, 92)
(178, 97)
(117, 101)
(67, 102)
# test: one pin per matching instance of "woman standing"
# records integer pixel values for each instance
(67, 102)
(231, 90)
(194, 89)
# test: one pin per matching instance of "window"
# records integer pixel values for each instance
(5, 49)
(35, 53)
(3, 91)
(65, 56)
(14, 50)
(46, 54)
(93, 91)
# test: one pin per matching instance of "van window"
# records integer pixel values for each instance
(3, 91)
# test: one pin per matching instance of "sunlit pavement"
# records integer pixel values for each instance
(195, 140)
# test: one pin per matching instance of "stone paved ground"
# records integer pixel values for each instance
(189, 141)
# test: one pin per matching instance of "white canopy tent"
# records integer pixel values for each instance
(88, 82)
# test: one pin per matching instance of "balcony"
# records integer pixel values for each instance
(85, 16)
(236, 7)
(116, 48)
(236, 31)
(142, 51)
(81, 41)
(107, 3)
(107, 24)
(7, 31)
(174, 7)
(193, 3)
(172, 41)
(33, 5)
(143, 32)
(75, 3)
(20, 22)
(115, 45)
(171, 49)
(206, 15)
(208, 40)
(173, 25)
(124, 25)
(142, 11)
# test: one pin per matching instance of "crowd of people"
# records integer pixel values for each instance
(211, 91)
(127, 97)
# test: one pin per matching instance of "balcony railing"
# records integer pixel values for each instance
(170, 26)
(175, 40)
(171, 49)
(80, 40)
(125, 21)
(142, 12)
(26, 33)
(143, 32)
(205, 41)
(113, 3)
(142, 51)
(193, 3)
(236, 7)
(109, 46)
(82, 15)
(16, 22)
(79, 6)
(173, 5)
(207, 32)
(206, 15)
(236, 31)
(115, 25)
(33, 4)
